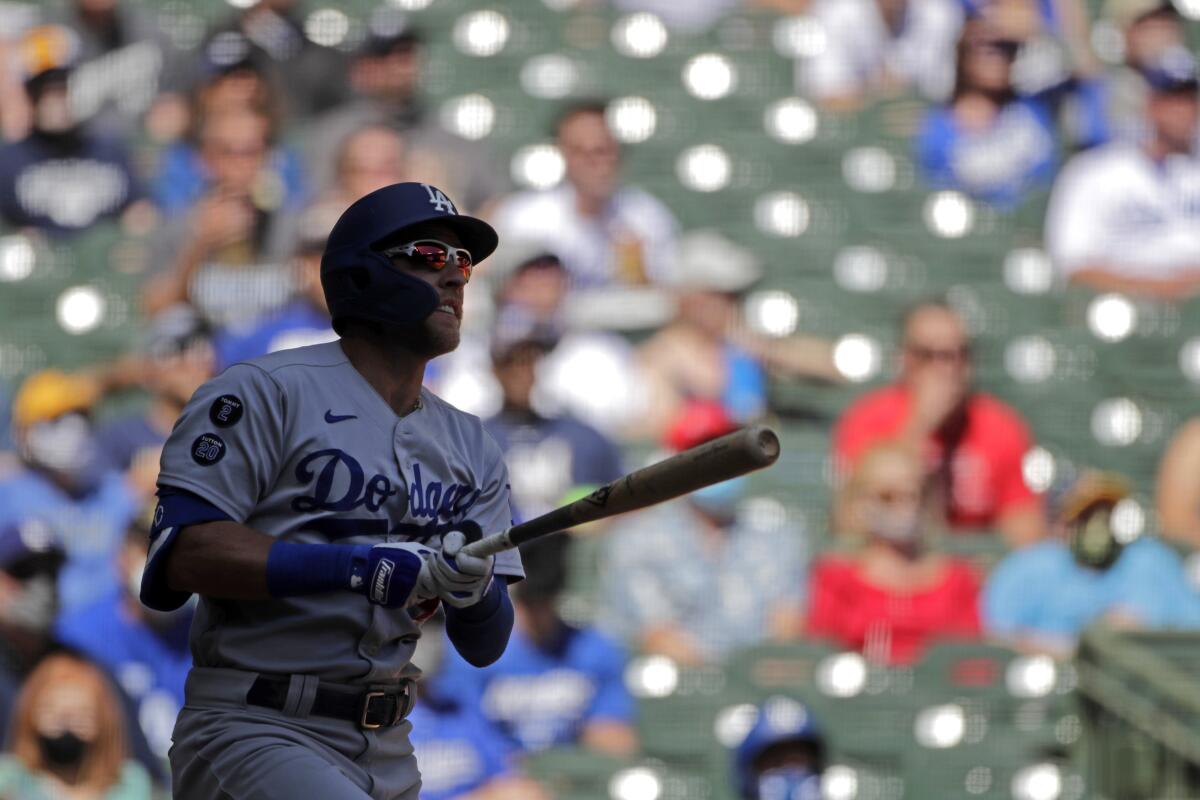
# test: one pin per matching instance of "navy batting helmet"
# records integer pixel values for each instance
(361, 283)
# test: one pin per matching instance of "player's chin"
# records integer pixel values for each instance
(442, 333)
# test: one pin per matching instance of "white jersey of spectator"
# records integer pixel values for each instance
(1115, 206)
(593, 249)
(858, 48)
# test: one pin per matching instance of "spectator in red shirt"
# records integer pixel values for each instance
(972, 443)
(892, 596)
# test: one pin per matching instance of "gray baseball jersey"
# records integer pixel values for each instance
(298, 445)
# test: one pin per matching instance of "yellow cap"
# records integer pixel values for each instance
(47, 47)
(51, 393)
(1126, 12)
(1092, 488)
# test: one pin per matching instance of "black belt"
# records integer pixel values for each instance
(375, 707)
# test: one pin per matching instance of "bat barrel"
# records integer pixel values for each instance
(721, 459)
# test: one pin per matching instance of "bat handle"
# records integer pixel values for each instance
(490, 545)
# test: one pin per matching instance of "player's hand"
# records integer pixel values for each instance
(390, 574)
(458, 579)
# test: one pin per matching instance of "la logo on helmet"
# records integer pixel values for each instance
(438, 200)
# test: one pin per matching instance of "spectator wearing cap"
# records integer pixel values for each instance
(972, 443)
(707, 352)
(65, 484)
(385, 77)
(698, 578)
(125, 60)
(1149, 29)
(1126, 217)
(988, 140)
(878, 46)
(227, 256)
(145, 651)
(61, 178)
(589, 374)
(606, 232)
(232, 78)
(463, 756)
(1042, 597)
(30, 559)
(310, 76)
(893, 594)
(547, 454)
(557, 684)
(782, 756)
(177, 357)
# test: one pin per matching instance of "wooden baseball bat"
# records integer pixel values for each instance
(719, 460)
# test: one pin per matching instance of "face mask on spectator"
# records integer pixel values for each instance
(33, 607)
(720, 499)
(63, 750)
(901, 527)
(789, 783)
(64, 445)
(1092, 540)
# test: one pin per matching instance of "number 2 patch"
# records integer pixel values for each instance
(226, 410)
(208, 449)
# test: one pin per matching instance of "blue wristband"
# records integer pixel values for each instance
(298, 569)
(480, 632)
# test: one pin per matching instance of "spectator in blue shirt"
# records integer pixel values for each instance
(1044, 595)
(556, 684)
(233, 76)
(783, 755)
(62, 178)
(66, 484)
(462, 755)
(988, 141)
(145, 651)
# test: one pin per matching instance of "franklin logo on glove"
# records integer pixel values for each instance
(381, 581)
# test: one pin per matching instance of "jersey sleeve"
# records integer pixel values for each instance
(227, 446)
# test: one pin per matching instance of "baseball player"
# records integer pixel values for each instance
(316, 500)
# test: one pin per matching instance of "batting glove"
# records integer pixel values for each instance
(390, 575)
(458, 579)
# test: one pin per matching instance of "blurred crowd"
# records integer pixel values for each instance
(600, 336)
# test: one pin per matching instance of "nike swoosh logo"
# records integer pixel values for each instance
(331, 418)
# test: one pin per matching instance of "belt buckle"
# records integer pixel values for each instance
(366, 711)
